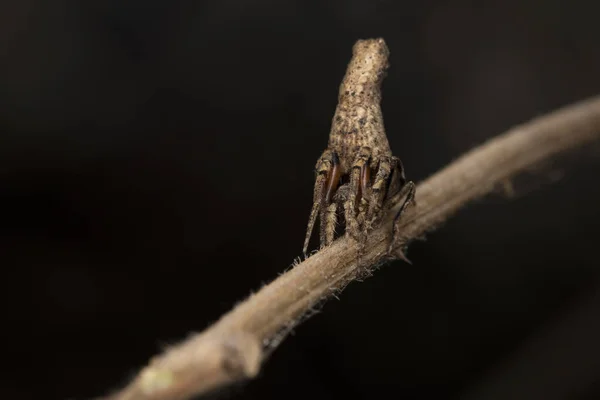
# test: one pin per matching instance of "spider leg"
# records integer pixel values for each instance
(365, 183)
(328, 207)
(398, 189)
(328, 223)
(327, 178)
(337, 202)
(408, 193)
(397, 180)
(350, 215)
(379, 190)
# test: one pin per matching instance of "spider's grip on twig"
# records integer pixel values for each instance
(357, 176)
(196, 365)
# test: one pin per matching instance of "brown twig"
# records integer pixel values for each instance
(232, 348)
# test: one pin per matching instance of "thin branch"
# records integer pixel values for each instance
(233, 348)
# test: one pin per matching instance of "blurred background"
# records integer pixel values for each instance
(156, 166)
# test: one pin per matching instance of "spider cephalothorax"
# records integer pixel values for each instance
(357, 175)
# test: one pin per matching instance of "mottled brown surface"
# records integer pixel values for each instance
(198, 363)
(357, 173)
(358, 120)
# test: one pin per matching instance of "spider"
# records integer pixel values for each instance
(357, 175)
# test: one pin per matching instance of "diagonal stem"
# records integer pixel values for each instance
(233, 348)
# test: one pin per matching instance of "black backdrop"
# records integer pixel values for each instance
(156, 166)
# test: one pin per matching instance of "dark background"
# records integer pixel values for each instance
(156, 166)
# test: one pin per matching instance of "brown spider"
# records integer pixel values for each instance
(357, 173)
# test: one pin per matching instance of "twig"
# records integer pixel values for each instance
(232, 349)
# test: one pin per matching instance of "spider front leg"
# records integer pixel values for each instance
(358, 185)
(328, 174)
(399, 189)
(379, 190)
(407, 190)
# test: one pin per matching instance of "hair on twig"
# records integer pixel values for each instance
(233, 348)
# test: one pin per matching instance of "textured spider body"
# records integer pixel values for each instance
(357, 173)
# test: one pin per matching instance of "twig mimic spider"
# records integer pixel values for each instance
(358, 149)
